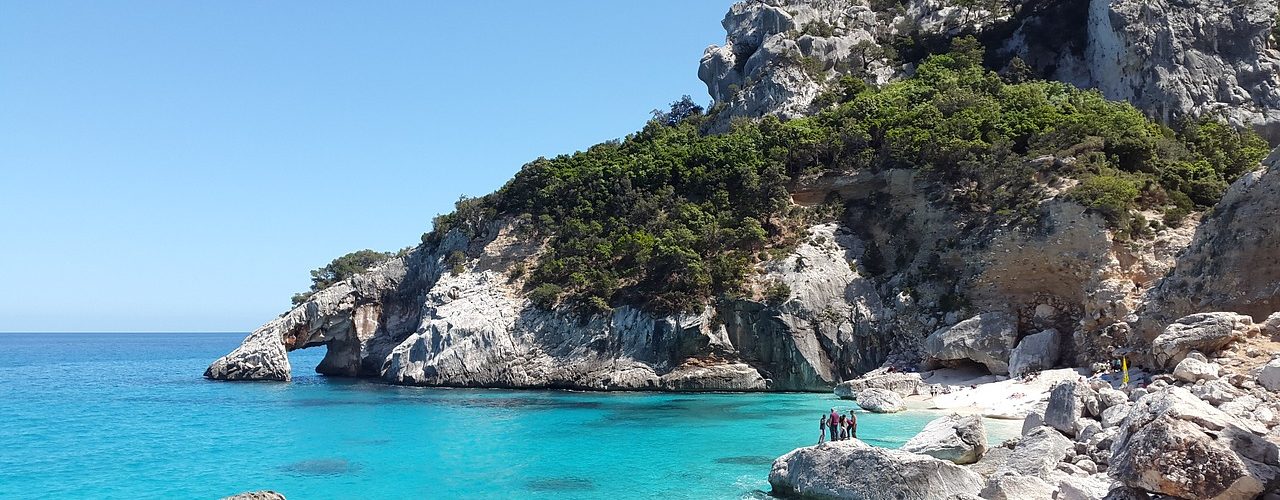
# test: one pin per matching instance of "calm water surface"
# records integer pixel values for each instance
(129, 416)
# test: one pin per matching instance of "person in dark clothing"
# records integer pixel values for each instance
(844, 433)
(831, 424)
(853, 425)
(822, 429)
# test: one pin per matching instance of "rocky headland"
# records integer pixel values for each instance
(904, 284)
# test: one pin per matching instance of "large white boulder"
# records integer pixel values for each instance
(1191, 369)
(1009, 486)
(985, 339)
(1069, 401)
(853, 469)
(1038, 453)
(903, 383)
(1034, 353)
(1175, 444)
(1204, 332)
(1269, 376)
(880, 401)
(960, 439)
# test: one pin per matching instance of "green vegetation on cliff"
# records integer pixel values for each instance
(340, 269)
(671, 217)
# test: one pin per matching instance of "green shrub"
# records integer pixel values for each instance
(340, 269)
(456, 261)
(1111, 196)
(545, 295)
(776, 293)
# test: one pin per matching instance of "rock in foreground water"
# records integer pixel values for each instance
(853, 469)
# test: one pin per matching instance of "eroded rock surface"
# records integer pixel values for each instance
(1171, 59)
(985, 339)
(853, 469)
(880, 401)
(959, 439)
(1174, 444)
(1206, 332)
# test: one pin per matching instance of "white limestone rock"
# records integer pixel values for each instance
(1038, 453)
(959, 439)
(1010, 486)
(1035, 353)
(1178, 445)
(880, 401)
(1191, 370)
(1269, 376)
(853, 469)
(986, 339)
(1204, 332)
(1067, 405)
(905, 384)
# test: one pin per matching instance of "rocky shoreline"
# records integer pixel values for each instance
(1205, 426)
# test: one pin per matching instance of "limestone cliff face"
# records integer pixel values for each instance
(902, 264)
(409, 323)
(1170, 59)
(862, 291)
(1233, 262)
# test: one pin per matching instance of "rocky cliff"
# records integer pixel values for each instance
(1172, 59)
(902, 276)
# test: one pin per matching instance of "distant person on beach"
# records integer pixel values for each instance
(853, 425)
(831, 424)
(822, 429)
(843, 431)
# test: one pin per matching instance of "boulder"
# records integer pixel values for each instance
(1126, 493)
(1067, 404)
(1114, 415)
(960, 439)
(1088, 428)
(1271, 326)
(1089, 487)
(903, 383)
(880, 401)
(1216, 392)
(1108, 397)
(256, 495)
(1205, 332)
(1190, 370)
(1038, 453)
(992, 461)
(1009, 486)
(853, 469)
(985, 339)
(1178, 445)
(1031, 422)
(1269, 376)
(1035, 353)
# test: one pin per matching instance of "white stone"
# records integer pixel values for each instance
(1192, 370)
(880, 401)
(959, 439)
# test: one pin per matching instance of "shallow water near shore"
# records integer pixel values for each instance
(129, 416)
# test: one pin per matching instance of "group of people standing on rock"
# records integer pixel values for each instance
(841, 427)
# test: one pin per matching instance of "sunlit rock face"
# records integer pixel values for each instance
(1170, 59)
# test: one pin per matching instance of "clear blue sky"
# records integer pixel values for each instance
(181, 166)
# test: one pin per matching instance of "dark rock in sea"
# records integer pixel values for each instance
(554, 484)
(746, 460)
(321, 467)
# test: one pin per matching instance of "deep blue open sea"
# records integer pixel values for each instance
(129, 416)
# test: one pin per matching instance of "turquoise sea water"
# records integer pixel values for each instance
(129, 416)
